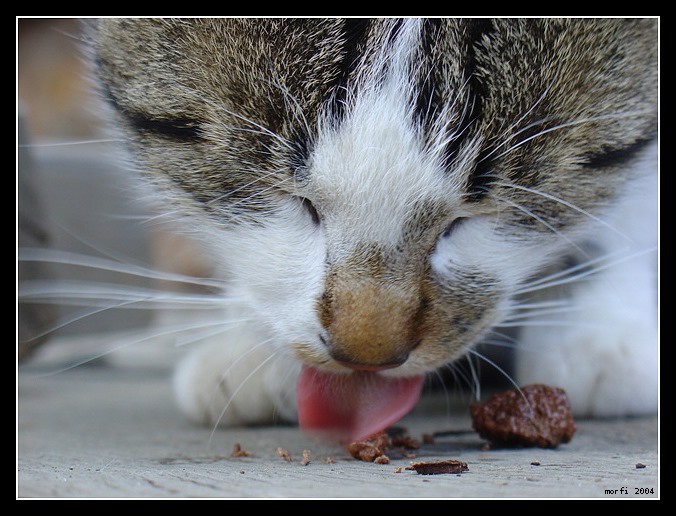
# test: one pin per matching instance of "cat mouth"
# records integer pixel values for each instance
(355, 405)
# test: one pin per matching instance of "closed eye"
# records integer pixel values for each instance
(177, 128)
(181, 129)
(309, 207)
(452, 227)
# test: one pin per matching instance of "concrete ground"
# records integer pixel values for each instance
(112, 431)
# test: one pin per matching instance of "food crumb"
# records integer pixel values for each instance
(382, 459)
(369, 449)
(237, 451)
(439, 467)
(284, 454)
(329, 460)
(397, 469)
(406, 441)
(640, 465)
(372, 448)
(535, 463)
(305, 460)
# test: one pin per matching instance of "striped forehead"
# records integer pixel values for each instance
(373, 171)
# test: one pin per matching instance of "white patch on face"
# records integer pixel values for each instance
(368, 174)
(475, 245)
(276, 272)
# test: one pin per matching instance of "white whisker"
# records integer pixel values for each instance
(579, 121)
(82, 260)
(539, 313)
(540, 220)
(123, 342)
(88, 293)
(564, 203)
(239, 387)
(496, 366)
(69, 143)
(580, 271)
(229, 193)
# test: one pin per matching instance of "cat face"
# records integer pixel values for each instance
(376, 191)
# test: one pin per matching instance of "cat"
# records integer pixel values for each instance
(380, 195)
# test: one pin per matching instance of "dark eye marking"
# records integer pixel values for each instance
(616, 156)
(175, 128)
(310, 208)
(453, 226)
(179, 129)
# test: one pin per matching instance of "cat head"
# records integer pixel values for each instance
(376, 191)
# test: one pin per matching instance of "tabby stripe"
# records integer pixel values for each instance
(355, 31)
(479, 181)
(428, 97)
(614, 157)
(180, 129)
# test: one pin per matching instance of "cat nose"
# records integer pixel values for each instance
(370, 328)
(346, 362)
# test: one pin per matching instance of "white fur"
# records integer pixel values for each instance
(605, 352)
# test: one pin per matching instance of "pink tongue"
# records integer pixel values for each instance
(353, 406)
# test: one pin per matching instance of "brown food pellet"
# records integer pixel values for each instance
(382, 459)
(639, 465)
(406, 441)
(284, 454)
(371, 449)
(439, 467)
(237, 451)
(534, 415)
(368, 449)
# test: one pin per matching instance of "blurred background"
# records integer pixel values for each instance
(73, 196)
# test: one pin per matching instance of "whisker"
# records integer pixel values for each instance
(581, 271)
(579, 121)
(88, 261)
(39, 145)
(298, 113)
(546, 323)
(259, 128)
(242, 383)
(243, 187)
(525, 312)
(123, 342)
(484, 358)
(564, 203)
(78, 293)
(541, 221)
(506, 133)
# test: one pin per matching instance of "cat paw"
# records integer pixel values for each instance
(607, 365)
(234, 381)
